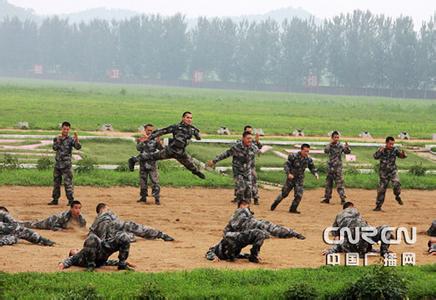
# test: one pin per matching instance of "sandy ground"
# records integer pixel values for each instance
(196, 217)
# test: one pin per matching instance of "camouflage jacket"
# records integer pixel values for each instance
(105, 225)
(243, 220)
(243, 158)
(388, 159)
(348, 218)
(150, 146)
(181, 132)
(6, 217)
(64, 150)
(297, 164)
(60, 221)
(335, 154)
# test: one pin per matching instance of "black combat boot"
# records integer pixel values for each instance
(343, 201)
(46, 242)
(325, 200)
(276, 202)
(157, 200)
(199, 174)
(398, 198)
(166, 237)
(377, 208)
(256, 201)
(54, 202)
(293, 209)
(143, 199)
(70, 201)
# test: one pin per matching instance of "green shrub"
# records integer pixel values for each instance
(123, 92)
(351, 171)
(86, 165)
(380, 283)
(300, 291)
(44, 163)
(322, 168)
(417, 170)
(10, 162)
(82, 293)
(151, 291)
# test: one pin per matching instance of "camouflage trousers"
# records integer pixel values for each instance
(243, 187)
(384, 180)
(140, 230)
(335, 175)
(10, 233)
(231, 245)
(67, 174)
(153, 174)
(98, 251)
(297, 184)
(254, 188)
(167, 153)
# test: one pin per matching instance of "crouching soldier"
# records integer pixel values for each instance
(96, 253)
(107, 223)
(63, 220)
(243, 230)
(432, 242)
(350, 218)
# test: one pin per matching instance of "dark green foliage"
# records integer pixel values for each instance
(151, 291)
(86, 165)
(417, 170)
(300, 291)
(88, 292)
(9, 162)
(44, 163)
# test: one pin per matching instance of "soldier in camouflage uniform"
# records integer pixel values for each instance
(63, 145)
(295, 167)
(148, 168)
(334, 165)
(351, 218)
(243, 230)
(11, 231)
(176, 148)
(388, 171)
(96, 252)
(255, 187)
(61, 220)
(243, 153)
(107, 224)
(432, 242)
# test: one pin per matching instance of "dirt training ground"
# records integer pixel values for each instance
(196, 218)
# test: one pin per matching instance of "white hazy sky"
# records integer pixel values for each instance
(418, 9)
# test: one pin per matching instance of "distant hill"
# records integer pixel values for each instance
(10, 10)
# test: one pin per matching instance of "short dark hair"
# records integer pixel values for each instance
(390, 138)
(347, 204)
(247, 126)
(148, 125)
(246, 133)
(67, 124)
(335, 133)
(186, 113)
(243, 201)
(99, 207)
(4, 209)
(75, 202)
(305, 146)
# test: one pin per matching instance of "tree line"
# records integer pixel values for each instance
(358, 49)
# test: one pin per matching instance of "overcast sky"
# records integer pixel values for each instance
(418, 9)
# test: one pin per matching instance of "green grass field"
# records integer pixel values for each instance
(45, 104)
(327, 282)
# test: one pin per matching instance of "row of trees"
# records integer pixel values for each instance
(354, 50)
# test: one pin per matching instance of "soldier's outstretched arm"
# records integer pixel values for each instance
(401, 154)
(70, 261)
(163, 131)
(224, 155)
(197, 134)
